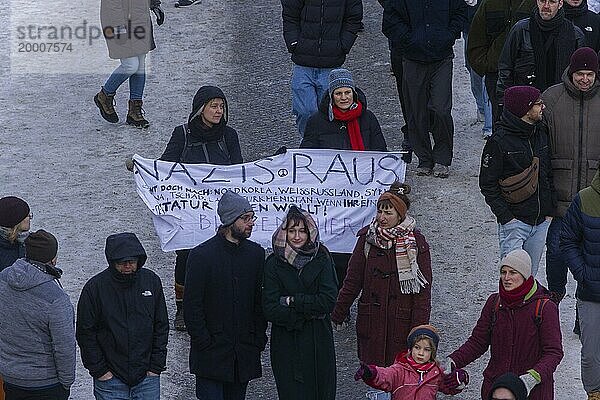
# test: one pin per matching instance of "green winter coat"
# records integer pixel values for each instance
(302, 352)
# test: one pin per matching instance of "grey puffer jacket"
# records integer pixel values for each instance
(134, 17)
(37, 328)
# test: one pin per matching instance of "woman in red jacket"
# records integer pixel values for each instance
(520, 325)
(391, 266)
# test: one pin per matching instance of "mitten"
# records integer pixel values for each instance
(530, 381)
(160, 15)
(365, 372)
(455, 382)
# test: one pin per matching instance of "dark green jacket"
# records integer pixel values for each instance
(489, 28)
(302, 352)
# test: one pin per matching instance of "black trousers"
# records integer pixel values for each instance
(340, 261)
(491, 80)
(180, 265)
(398, 70)
(57, 392)
(427, 89)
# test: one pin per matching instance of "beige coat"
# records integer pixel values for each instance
(573, 121)
(134, 17)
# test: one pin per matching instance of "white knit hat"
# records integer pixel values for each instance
(519, 260)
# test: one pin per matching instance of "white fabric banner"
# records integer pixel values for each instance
(338, 187)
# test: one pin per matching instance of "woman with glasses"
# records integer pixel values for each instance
(15, 217)
(299, 292)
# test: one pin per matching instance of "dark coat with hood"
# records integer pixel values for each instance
(580, 241)
(509, 151)
(122, 321)
(385, 314)
(322, 133)
(516, 342)
(319, 33)
(218, 144)
(134, 17)
(588, 21)
(222, 309)
(302, 351)
(10, 252)
(572, 119)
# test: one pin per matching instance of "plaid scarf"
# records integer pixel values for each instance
(297, 257)
(402, 239)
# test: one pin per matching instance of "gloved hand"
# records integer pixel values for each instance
(556, 297)
(529, 381)
(365, 372)
(160, 15)
(455, 382)
(129, 164)
(471, 2)
(281, 150)
(449, 366)
(339, 327)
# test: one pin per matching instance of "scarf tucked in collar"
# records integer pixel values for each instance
(572, 12)
(422, 369)
(516, 296)
(351, 117)
(402, 239)
(297, 257)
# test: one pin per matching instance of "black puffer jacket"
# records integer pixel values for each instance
(203, 145)
(122, 321)
(321, 133)
(509, 151)
(588, 21)
(319, 33)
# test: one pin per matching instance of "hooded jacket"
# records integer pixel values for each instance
(509, 151)
(321, 133)
(37, 332)
(571, 118)
(580, 241)
(588, 21)
(200, 144)
(122, 322)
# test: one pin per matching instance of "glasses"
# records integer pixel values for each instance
(248, 218)
(31, 215)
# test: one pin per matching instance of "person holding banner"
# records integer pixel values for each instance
(343, 122)
(204, 139)
(299, 292)
(391, 267)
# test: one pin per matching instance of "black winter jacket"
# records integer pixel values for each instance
(509, 151)
(10, 252)
(588, 21)
(321, 133)
(319, 33)
(424, 31)
(202, 145)
(222, 309)
(122, 321)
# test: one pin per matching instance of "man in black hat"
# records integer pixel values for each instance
(37, 338)
(122, 324)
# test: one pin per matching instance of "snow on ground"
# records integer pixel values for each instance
(58, 154)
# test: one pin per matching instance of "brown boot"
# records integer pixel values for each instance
(106, 105)
(135, 115)
(594, 396)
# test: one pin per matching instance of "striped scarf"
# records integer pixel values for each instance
(402, 239)
(297, 257)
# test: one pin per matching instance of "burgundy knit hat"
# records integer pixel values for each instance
(519, 99)
(13, 210)
(583, 58)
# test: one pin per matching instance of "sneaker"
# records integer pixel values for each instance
(179, 322)
(186, 3)
(106, 104)
(135, 115)
(441, 171)
(423, 171)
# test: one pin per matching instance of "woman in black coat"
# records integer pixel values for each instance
(14, 227)
(299, 292)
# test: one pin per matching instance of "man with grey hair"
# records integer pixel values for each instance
(222, 305)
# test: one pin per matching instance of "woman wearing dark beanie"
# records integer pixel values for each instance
(14, 226)
(390, 268)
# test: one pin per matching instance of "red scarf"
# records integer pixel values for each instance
(516, 296)
(422, 369)
(351, 117)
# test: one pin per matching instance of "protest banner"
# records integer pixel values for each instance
(338, 187)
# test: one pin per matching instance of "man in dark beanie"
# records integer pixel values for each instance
(222, 305)
(37, 347)
(588, 21)
(538, 49)
(122, 324)
(571, 119)
(14, 227)
(516, 176)
(508, 387)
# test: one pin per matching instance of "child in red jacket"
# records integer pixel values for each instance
(415, 374)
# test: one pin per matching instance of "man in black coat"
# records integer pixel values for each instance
(588, 21)
(424, 32)
(318, 34)
(122, 324)
(222, 305)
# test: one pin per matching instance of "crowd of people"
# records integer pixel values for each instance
(533, 68)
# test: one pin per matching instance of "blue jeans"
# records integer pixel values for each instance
(115, 389)
(556, 268)
(519, 235)
(208, 389)
(132, 68)
(309, 85)
(479, 92)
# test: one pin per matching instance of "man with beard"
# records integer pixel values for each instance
(537, 49)
(222, 305)
(588, 21)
